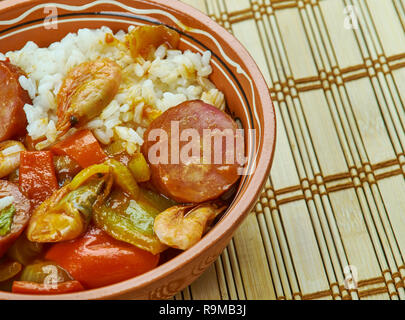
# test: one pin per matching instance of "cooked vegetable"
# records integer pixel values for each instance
(96, 259)
(196, 179)
(13, 121)
(86, 91)
(123, 157)
(26, 287)
(118, 150)
(6, 220)
(9, 269)
(116, 147)
(45, 272)
(128, 220)
(181, 227)
(37, 175)
(67, 213)
(9, 156)
(82, 147)
(19, 218)
(144, 40)
(158, 201)
(139, 167)
(84, 175)
(24, 251)
(66, 169)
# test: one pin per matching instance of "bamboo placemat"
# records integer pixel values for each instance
(333, 208)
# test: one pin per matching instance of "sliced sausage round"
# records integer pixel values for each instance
(13, 121)
(20, 218)
(190, 176)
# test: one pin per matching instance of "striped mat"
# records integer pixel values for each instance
(330, 222)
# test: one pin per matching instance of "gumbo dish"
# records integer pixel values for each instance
(83, 201)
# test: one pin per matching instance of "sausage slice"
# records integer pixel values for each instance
(13, 97)
(20, 218)
(189, 181)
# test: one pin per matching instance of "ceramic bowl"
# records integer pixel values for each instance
(235, 73)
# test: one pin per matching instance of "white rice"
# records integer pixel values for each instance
(171, 78)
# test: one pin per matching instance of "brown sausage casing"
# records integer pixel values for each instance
(13, 97)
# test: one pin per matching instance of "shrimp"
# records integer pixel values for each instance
(144, 40)
(9, 156)
(183, 226)
(85, 92)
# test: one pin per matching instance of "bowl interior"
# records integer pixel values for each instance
(234, 73)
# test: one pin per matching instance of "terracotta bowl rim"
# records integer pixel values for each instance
(235, 215)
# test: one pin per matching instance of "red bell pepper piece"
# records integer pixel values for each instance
(28, 287)
(97, 260)
(83, 147)
(37, 175)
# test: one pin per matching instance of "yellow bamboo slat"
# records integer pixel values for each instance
(333, 207)
(207, 287)
(251, 254)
